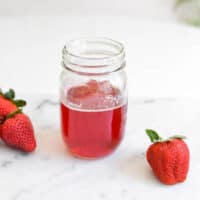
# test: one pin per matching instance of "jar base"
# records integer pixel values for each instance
(92, 157)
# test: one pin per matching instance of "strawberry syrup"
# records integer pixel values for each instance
(96, 128)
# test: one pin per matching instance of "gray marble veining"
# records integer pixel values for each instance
(52, 173)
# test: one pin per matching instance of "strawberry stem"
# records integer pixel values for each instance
(12, 114)
(153, 135)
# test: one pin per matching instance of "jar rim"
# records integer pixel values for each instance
(107, 41)
(93, 55)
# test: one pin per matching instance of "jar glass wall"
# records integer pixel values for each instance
(93, 96)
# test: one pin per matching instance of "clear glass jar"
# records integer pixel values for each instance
(93, 96)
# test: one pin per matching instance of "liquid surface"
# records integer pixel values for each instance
(96, 132)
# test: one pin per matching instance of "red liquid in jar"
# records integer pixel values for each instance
(96, 128)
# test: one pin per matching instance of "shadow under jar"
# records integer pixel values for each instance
(93, 96)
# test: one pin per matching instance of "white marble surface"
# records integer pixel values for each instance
(52, 173)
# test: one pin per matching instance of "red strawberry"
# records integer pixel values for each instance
(169, 159)
(17, 131)
(9, 104)
(6, 106)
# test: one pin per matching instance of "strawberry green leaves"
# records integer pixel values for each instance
(10, 95)
(154, 137)
(19, 103)
(182, 137)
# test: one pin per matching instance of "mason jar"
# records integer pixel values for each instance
(93, 96)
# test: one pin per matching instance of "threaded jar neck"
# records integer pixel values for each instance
(93, 56)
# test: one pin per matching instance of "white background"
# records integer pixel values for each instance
(142, 8)
(162, 54)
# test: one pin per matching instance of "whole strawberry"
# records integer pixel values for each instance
(16, 129)
(169, 159)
